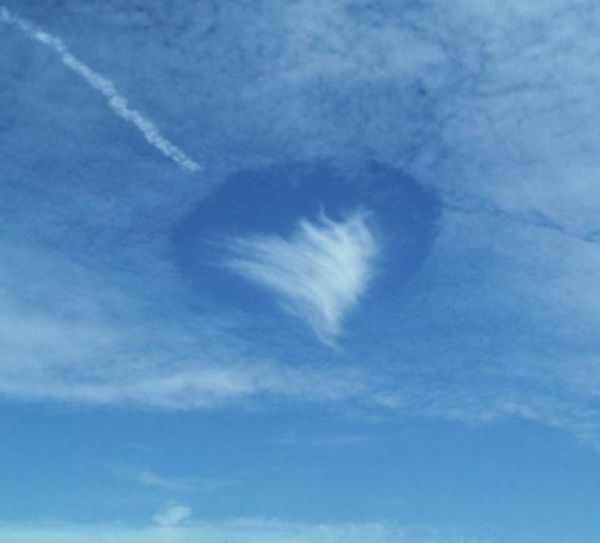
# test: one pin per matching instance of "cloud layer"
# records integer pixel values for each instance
(467, 99)
(238, 531)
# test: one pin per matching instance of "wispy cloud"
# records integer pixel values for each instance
(335, 441)
(171, 484)
(319, 273)
(238, 531)
(116, 101)
(172, 515)
(177, 485)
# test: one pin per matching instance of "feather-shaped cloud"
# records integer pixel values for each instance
(318, 273)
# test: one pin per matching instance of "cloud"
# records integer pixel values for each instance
(516, 133)
(333, 441)
(170, 484)
(178, 485)
(319, 273)
(117, 102)
(238, 531)
(71, 333)
(173, 515)
(501, 319)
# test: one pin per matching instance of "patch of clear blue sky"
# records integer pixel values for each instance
(499, 480)
(461, 394)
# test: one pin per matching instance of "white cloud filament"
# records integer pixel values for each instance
(318, 274)
(117, 102)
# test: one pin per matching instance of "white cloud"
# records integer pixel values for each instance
(148, 478)
(170, 484)
(469, 99)
(235, 531)
(117, 102)
(172, 515)
(60, 341)
(519, 132)
(215, 385)
(319, 273)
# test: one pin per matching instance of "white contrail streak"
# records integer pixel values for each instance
(117, 102)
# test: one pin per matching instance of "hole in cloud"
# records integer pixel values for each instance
(286, 227)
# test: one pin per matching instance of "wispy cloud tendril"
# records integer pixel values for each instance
(117, 102)
(319, 273)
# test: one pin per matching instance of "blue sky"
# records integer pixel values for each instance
(317, 270)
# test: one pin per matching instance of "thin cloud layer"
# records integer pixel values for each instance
(319, 273)
(239, 531)
(407, 94)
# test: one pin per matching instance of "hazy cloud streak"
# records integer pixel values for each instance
(173, 515)
(117, 102)
(249, 530)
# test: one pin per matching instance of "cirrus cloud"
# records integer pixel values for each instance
(319, 273)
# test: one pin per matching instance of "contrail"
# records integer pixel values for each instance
(117, 102)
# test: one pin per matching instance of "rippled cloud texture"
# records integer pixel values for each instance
(489, 105)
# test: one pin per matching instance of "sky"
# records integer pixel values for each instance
(295, 272)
